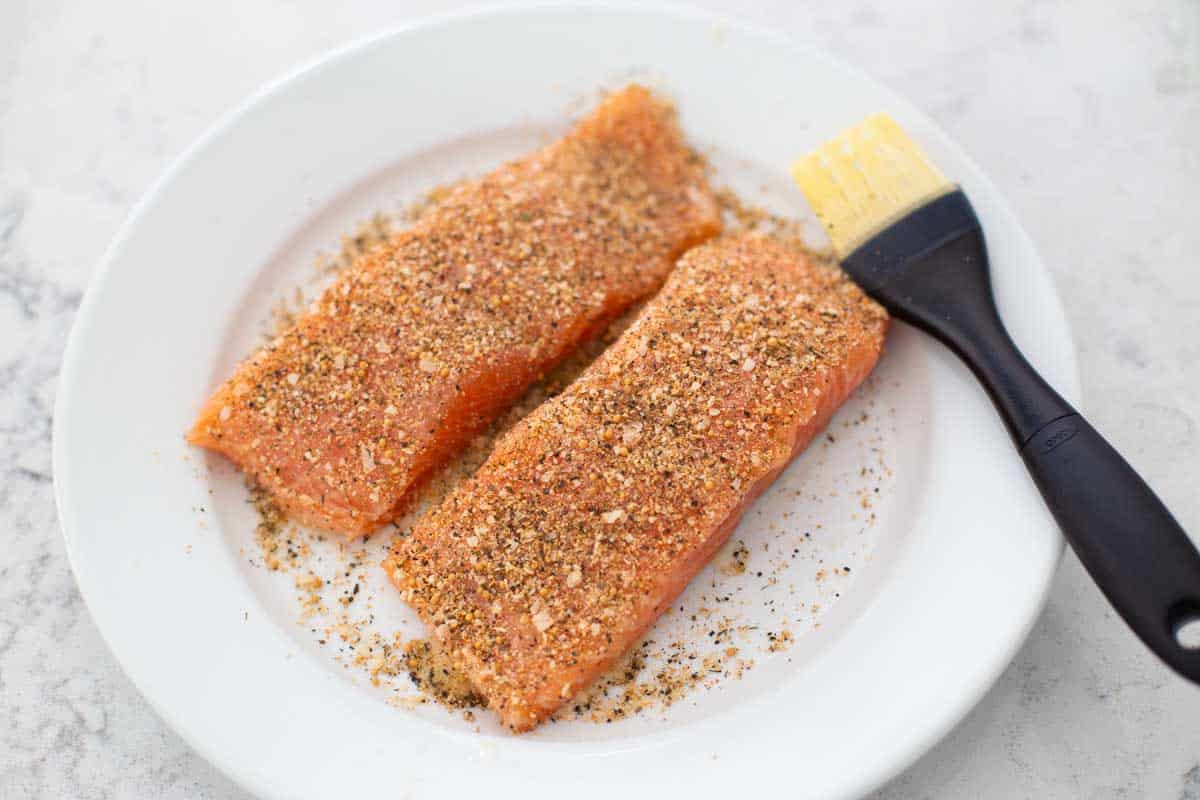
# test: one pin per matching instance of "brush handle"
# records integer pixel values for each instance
(1131, 544)
(1137, 553)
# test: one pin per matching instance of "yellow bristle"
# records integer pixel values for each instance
(866, 179)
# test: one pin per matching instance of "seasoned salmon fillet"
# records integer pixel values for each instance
(593, 513)
(424, 341)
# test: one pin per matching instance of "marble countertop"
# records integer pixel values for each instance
(1086, 114)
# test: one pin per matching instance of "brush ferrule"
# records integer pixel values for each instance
(881, 259)
(930, 269)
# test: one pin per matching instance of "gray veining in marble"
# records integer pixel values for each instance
(1087, 114)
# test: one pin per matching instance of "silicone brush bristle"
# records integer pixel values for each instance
(865, 179)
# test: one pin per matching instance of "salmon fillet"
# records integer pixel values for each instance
(593, 513)
(424, 341)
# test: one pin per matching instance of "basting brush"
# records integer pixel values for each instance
(910, 238)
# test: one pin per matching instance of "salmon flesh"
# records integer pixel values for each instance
(424, 341)
(593, 513)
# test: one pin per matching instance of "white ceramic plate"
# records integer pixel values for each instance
(947, 579)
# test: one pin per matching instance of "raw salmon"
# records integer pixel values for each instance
(594, 512)
(424, 341)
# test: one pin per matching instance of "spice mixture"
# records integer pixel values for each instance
(600, 506)
(705, 646)
(433, 331)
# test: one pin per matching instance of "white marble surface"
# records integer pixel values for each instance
(1086, 113)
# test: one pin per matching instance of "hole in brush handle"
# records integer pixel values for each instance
(1184, 621)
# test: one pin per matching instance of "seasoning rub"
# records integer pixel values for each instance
(594, 512)
(425, 340)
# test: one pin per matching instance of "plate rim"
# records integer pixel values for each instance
(72, 353)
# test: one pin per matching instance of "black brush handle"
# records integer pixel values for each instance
(1131, 544)
(1137, 553)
